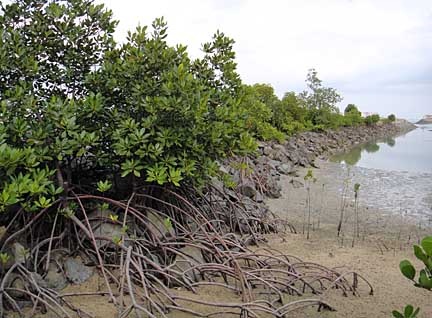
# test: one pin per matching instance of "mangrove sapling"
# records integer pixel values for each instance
(356, 233)
(321, 206)
(308, 178)
(343, 201)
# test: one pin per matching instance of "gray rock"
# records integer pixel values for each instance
(55, 278)
(16, 281)
(284, 168)
(191, 256)
(259, 197)
(157, 225)
(103, 226)
(296, 184)
(76, 272)
(217, 184)
(247, 188)
(273, 189)
(19, 253)
(267, 150)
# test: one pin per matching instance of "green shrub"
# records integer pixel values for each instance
(147, 112)
(258, 113)
(372, 119)
(391, 117)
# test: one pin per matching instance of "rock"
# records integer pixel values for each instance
(16, 281)
(191, 256)
(55, 278)
(284, 168)
(259, 197)
(223, 169)
(19, 253)
(247, 188)
(103, 226)
(217, 184)
(267, 150)
(248, 204)
(296, 184)
(76, 272)
(273, 188)
(157, 225)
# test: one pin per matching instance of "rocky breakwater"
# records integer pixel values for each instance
(303, 148)
(252, 179)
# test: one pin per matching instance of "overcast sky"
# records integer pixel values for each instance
(377, 54)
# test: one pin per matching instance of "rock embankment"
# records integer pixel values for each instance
(258, 176)
(303, 148)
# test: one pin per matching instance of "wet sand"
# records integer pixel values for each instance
(387, 234)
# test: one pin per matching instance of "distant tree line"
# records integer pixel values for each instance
(313, 109)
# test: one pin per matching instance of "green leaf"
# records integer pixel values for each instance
(409, 309)
(424, 280)
(426, 243)
(137, 173)
(407, 269)
(397, 314)
(419, 253)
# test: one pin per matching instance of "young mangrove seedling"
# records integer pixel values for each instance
(356, 232)
(308, 179)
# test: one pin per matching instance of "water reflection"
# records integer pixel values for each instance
(371, 147)
(390, 141)
(350, 158)
(353, 156)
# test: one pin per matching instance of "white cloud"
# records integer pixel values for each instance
(364, 48)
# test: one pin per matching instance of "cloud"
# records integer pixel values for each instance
(364, 48)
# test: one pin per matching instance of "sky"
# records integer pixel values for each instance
(377, 54)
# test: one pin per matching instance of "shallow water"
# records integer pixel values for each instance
(396, 192)
(409, 152)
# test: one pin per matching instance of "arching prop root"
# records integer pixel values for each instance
(160, 239)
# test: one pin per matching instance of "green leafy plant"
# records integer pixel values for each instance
(408, 312)
(4, 258)
(103, 186)
(113, 217)
(167, 223)
(424, 254)
(309, 177)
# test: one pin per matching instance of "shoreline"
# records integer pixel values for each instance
(385, 239)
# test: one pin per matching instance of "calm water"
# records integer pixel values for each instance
(395, 174)
(410, 152)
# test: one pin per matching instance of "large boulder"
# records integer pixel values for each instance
(104, 227)
(158, 226)
(55, 278)
(189, 257)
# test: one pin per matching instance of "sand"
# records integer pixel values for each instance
(385, 239)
